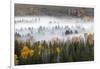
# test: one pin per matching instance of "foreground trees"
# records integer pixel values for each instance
(54, 51)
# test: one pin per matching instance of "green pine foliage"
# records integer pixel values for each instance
(56, 52)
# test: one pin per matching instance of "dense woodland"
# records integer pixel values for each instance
(55, 51)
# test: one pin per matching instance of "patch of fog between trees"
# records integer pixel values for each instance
(48, 28)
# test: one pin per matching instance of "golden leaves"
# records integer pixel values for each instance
(58, 50)
(90, 39)
(26, 52)
(31, 52)
(40, 46)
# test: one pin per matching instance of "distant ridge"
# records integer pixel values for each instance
(57, 11)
